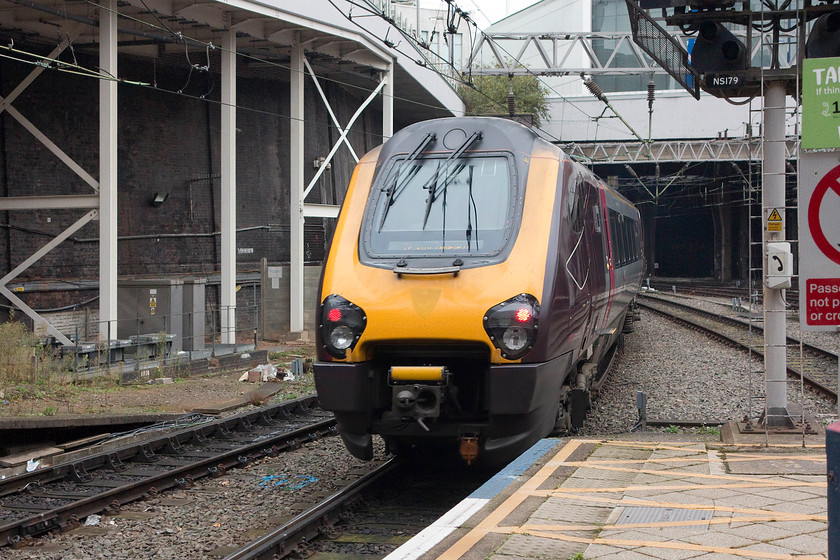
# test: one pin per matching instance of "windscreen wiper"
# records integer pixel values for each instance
(392, 192)
(449, 174)
(470, 200)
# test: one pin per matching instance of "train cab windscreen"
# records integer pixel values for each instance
(436, 207)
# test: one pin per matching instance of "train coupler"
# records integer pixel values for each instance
(417, 392)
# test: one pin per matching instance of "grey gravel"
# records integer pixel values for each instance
(214, 517)
(688, 376)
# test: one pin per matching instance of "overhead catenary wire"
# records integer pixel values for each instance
(501, 48)
(469, 83)
(458, 77)
(596, 91)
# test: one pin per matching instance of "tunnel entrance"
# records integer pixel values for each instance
(685, 245)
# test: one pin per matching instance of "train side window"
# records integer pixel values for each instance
(628, 246)
(625, 247)
(637, 249)
(626, 252)
(617, 234)
(619, 239)
(576, 203)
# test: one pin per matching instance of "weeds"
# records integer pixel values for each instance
(17, 354)
(672, 429)
(31, 371)
(28, 369)
(290, 354)
(709, 430)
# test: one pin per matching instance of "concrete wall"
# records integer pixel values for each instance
(275, 322)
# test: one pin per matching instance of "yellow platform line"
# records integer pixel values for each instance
(675, 447)
(675, 473)
(671, 545)
(631, 501)
(808, 458)
(653, 445)
(642, 487)
(701, 457)
(770, 517)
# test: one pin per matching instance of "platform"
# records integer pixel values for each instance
(637, 500)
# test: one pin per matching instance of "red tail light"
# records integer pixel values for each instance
(342, 325)
(512, 325)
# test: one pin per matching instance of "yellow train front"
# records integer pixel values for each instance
(470, 280)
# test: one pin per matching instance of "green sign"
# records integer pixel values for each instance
(821, 103)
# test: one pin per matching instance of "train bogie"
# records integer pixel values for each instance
(472, 275)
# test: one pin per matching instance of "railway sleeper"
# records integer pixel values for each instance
(39, 526)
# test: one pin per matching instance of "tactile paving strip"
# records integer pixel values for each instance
(634, 514)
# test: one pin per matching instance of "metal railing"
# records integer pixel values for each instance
(148, 346)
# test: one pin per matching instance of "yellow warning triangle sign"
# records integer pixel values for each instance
(774, 216)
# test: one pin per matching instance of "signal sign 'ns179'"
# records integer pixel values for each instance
(819, 241)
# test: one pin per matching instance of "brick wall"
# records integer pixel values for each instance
(168, 143)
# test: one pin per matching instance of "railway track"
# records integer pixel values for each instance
(56, 498)
(375, 514)
(817, 366)
(295, 536)
(716, 289)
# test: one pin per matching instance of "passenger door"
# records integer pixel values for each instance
(578, 264)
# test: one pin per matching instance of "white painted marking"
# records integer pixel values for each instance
(426, 539)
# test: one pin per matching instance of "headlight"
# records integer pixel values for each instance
(342, 324)
(512, 325)
(341, 337)
(515, 338)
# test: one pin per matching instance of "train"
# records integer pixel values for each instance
(476, 286)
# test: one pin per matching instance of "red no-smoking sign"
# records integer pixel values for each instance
(819, 241)
(824, 214)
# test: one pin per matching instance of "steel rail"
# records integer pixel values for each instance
(737, 332)
(716, 289)
(287, 538)
(66, 516)
(62, 469)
